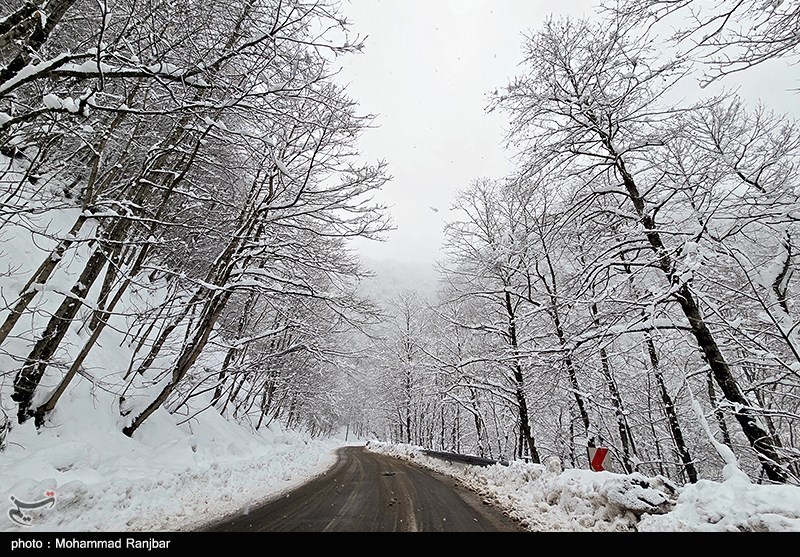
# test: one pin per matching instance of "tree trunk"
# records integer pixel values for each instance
(669, 410)
(628, 446)
(38, 34)
(552, 292)
(189, 354)
(773, 430)
(244, 319)
(718, 414)
(525, 426)
(39, 277)
(478, 422)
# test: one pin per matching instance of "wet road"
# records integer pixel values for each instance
(371, 492)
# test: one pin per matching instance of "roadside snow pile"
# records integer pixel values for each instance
(168, 478)
(543, 497)
(731, 506)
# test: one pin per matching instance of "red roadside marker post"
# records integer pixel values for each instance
(597, 458)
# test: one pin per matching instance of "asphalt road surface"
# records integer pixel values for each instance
(371, 492)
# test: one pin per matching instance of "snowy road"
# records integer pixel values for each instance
(370, 492)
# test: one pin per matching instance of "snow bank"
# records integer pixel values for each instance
(169, 478)
(543, 497)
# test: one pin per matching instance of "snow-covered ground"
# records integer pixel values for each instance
(186, 476)
(180, 478)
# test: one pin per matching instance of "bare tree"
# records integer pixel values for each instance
(483, 262)
(589, 105)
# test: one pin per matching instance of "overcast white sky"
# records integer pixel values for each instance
(426, 70)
